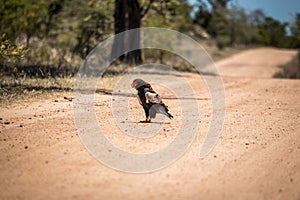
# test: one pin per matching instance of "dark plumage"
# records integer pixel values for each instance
(150, 100)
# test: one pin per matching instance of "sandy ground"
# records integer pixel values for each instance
(248, 64)
(256, 157)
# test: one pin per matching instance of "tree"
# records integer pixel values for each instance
(128, 15)
(295, 33)
(257, 17)
(232, 25)
(273, 32)
(203, 16)
(92, 24)
(240, 29)
(28, 18)
(131, 14)
(218, 5)
(215, 20)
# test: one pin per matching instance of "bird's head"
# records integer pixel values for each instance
(137, 83)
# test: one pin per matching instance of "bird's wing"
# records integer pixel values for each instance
(159, 108)
(153, 97)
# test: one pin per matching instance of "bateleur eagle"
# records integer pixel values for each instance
(150, 100)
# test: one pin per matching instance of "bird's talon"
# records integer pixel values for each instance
(146, 121)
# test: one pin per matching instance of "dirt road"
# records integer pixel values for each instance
(256, 63)
(256, 157)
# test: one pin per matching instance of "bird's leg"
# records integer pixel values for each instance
(148, 120)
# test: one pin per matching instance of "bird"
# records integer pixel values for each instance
(150, 100)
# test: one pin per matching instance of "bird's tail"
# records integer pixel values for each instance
(169, 115)
(167, 111)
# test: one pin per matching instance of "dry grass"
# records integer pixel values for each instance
(17, 89)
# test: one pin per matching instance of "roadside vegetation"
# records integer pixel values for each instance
(290, 70)
(44, 42)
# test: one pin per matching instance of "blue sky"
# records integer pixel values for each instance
(282, 10)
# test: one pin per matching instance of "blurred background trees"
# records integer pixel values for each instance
(232, 25)
(61, 33)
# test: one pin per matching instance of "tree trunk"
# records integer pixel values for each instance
(119, 26)
(134, 21)
(127, 16)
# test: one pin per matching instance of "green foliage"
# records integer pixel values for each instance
(56, 31)
(174, 14)
(61, 33)
(232, 26)
(295, 30)
(10, 52)
(273, 32)
(24, 18)
(203, 16)
(92, 22)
